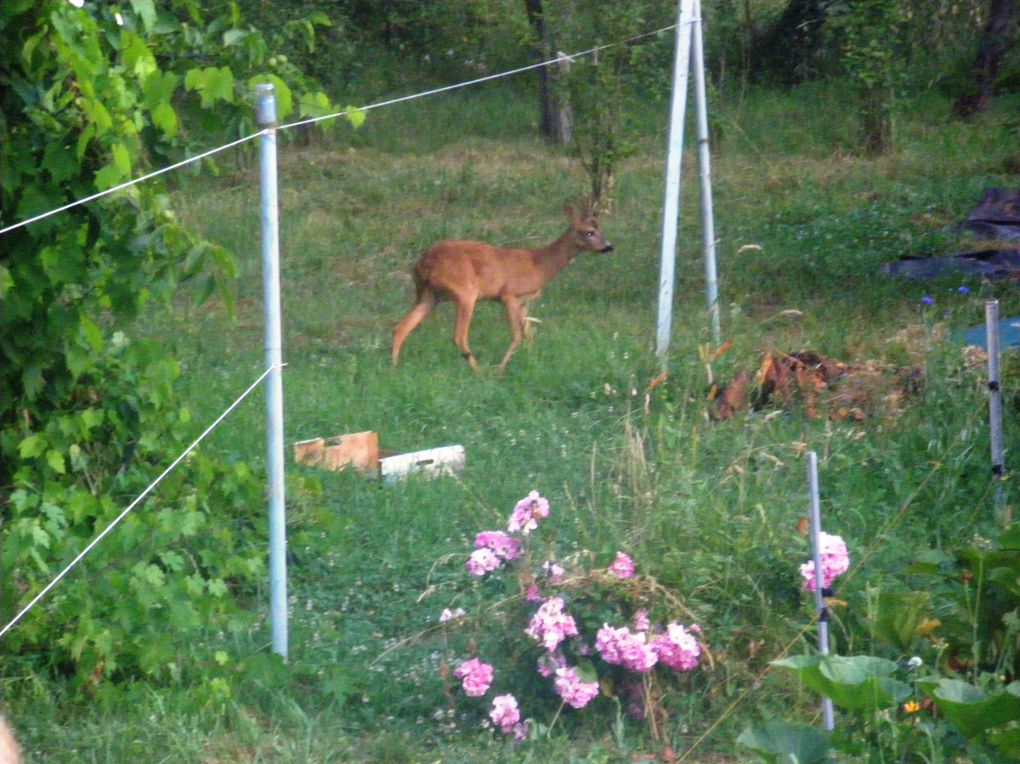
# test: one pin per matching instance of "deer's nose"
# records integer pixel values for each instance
(607, 248)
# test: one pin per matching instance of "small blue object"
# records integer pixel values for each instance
(927, 300)
(1009, 334)
(963, 290)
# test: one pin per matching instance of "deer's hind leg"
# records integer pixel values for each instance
(422, 308)
(516, 313)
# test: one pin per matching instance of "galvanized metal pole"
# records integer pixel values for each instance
(705, 176)
(823, 614)
(265, 118)
(995, 405)
(671, 206)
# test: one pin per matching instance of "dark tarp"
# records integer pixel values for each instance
(996, 217)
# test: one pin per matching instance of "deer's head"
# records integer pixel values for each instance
(585, 229)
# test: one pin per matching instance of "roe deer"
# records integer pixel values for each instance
(467, 271)
(9, 753)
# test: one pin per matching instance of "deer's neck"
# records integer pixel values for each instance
(556, 256)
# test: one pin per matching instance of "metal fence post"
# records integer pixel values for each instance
(671, 207)
(265, 117)
(828, 720)
(705, 176)
(995, 407)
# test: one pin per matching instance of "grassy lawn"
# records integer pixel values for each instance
(708, 508)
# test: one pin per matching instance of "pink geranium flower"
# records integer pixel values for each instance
(475, 677)
(500, 544)
(622, 567)
(575, 692)
(677, 648)
(505, 714)
(527, 513)
(550, 625)
(835, 561)
(621, 647)
(482, 561)
(641, 622)
(554, 571)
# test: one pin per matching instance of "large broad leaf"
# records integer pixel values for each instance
(780, 742)
(857, 683)
(970, 709)
(898, 616)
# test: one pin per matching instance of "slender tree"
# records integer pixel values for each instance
(556, 118)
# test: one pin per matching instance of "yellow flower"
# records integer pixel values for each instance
(911, 707)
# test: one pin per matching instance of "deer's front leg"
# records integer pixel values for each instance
(516, 312)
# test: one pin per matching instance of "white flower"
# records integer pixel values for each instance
(915, 663)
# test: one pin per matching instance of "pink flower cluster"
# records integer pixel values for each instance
(493, 548)
(550, 625)
(527, 513)
(677, 648)
(622, 567)
(835, 561)
(503, 546)
(475, 677)
(621, 647)
(575, 692)
(482, 561)
(507, 716)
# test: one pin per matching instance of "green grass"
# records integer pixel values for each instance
(709, 508)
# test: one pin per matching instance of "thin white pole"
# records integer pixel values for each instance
(705, 176)
(995, 404)
(265, 117)
(823, 614)
(671, 206)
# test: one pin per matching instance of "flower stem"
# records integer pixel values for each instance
(552, 724)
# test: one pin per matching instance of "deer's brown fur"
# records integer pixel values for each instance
(465, 272)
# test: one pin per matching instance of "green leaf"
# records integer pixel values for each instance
(146, 9)
(213, 84)
(32, 446)
(217, 588)
(56, 461)
(899, 614)
(158, 88)
(233, 37)
(857, 683)
(59, 160)
(6, 282)
(98, 116)
(165, 118)
(138, 58)
(355, 116)
(122, 158)
(786, 743)
(108, 176)
(970, 709)
(92, 333)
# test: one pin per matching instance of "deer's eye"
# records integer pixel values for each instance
(589, 233)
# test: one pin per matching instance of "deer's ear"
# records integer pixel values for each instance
(570, 211)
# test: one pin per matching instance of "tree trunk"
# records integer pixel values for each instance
(997, 38)
(556, 115)
(788, 51)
